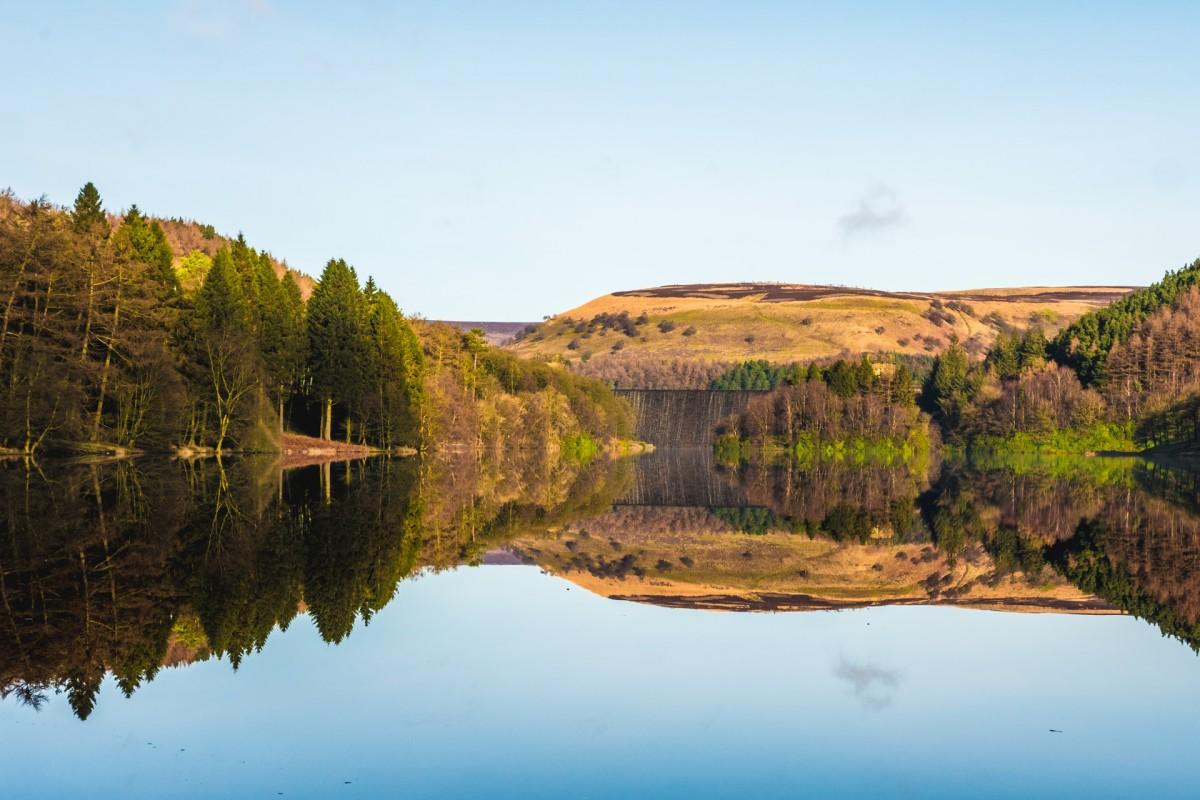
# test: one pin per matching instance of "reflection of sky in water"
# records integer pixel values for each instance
(500, 681)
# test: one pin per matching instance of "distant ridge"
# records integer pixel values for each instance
(496, 333)
(792, 322)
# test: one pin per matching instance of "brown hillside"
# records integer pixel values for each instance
(796, 322)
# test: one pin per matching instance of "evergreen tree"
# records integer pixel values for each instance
(946, 387)
(225, 357)
(88, 213)
(337, 342)
(145, 241)
(903, 388)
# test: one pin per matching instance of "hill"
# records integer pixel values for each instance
(494, 333)
(795, 322)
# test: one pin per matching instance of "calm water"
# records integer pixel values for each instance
(452, 631)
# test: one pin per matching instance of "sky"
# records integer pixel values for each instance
(508, 160)
(504, 682)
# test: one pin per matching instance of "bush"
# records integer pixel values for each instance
(666, 326)
(690, 330)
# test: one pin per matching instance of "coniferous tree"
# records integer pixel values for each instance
(88, 212)
(337, 344)
(227, 364)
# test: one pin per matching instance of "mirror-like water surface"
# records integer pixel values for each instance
(396, 628)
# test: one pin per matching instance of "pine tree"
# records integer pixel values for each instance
(88, 213)
(146, 242)
(336, 342)
(224, 353)
(947, 384)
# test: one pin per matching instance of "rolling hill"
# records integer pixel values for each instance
(795, 322)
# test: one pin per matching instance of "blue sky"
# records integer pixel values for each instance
(505, 160)
(502, 682)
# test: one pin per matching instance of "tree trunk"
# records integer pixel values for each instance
(327, 420)
(112, 341)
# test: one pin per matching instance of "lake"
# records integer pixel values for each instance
(665, 626)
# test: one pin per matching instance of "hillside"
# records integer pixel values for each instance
(793, 322)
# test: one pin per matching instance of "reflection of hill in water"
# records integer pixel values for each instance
(1067, 536)
(122, 568)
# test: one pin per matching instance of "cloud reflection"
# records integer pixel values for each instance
(873, 686)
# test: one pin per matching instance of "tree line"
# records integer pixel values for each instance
(833, 403)
(103, 346)
(1122, 377)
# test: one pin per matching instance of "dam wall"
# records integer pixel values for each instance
(682, 417)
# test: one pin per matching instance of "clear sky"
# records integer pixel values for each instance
(505, 160)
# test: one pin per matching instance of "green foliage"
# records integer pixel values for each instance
(142, 240)
(756, 375)
(192, 268)
(748, 519)
(101, 348)
(88, 212)
(1101, 437)
(1014, 352)
(580, 447)
(1084, 345)
(947, 389)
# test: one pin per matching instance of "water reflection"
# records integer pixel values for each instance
(127, 568)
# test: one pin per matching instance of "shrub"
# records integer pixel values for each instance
(666, 326)
(690, 330)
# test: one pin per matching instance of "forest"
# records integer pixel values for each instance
(1124, 378)
(126, 333)
(129, 566)
(863, 406)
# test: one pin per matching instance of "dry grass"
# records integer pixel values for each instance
(798, 323)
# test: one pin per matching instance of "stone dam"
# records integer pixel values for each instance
(681, 417)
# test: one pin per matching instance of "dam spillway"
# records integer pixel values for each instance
(682, 417)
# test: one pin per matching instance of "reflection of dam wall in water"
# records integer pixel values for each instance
(681, 417)
(682, 477)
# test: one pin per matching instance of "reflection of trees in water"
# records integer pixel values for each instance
(119, 567)
(1131, 538)
(850, 502)
(98, 563)
(472, 506)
